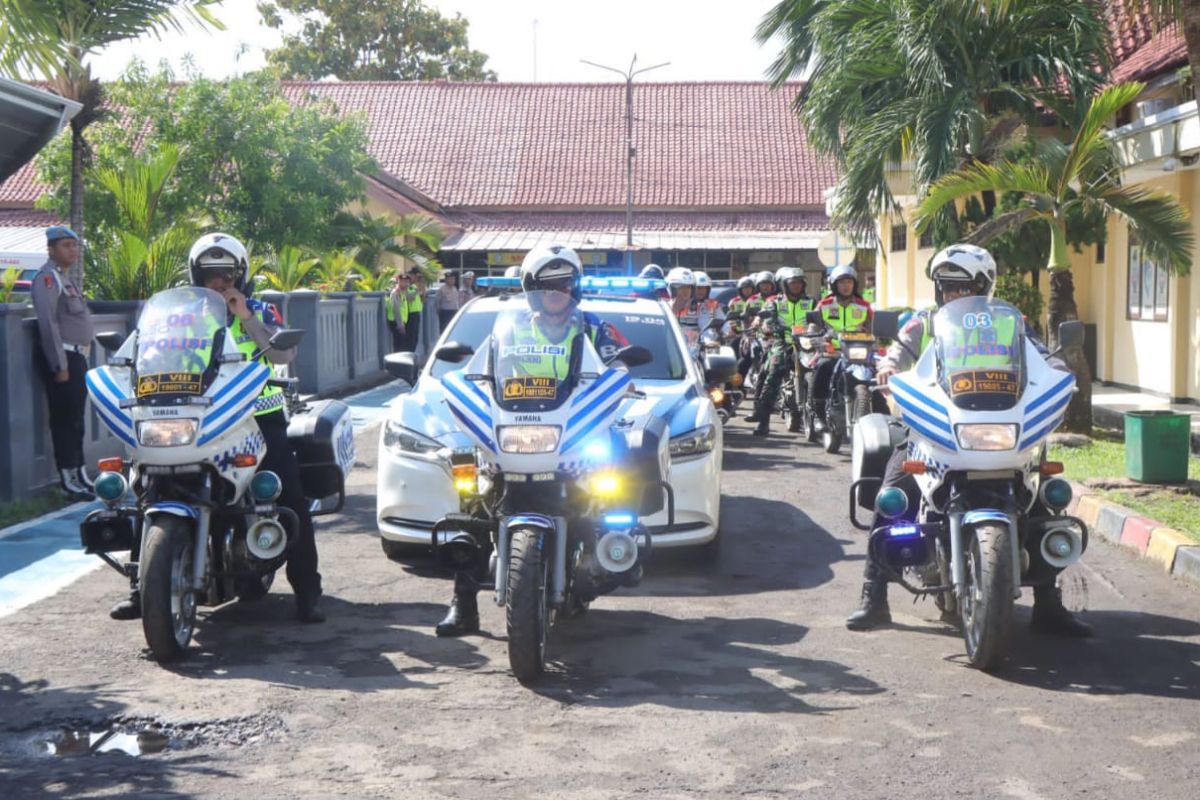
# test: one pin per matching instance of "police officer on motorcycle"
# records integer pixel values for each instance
(551, 277)
(961, 270)
(843, 311)
(779, 316)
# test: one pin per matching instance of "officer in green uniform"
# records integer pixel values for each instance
(398, 313)
(416, 307)
(789, 308)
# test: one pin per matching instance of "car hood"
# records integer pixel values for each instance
(684, 408)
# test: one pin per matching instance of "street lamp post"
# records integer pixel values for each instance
(630, 151)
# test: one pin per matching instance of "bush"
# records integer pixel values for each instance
(1015, 289)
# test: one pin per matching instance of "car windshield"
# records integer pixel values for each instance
(176, 332)
(639, 325)
(978, 343)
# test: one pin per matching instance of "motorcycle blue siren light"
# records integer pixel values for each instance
(1056, 493)
(110, 486)
(891, 502)
(903, 531)
(265, 486)
(619, 520)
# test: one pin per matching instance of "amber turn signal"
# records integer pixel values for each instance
(914, 467)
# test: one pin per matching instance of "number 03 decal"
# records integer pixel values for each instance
(970, 321)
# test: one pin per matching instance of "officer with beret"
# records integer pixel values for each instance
(65, 334)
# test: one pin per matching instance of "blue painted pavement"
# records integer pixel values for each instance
(42, 556)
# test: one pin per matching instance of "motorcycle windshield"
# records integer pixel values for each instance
(979, 345)
(537, 345)
(175, 345)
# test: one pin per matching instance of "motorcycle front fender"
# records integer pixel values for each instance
(966, 528)
(555, 528)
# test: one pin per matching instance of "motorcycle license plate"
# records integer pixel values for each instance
(858, 337)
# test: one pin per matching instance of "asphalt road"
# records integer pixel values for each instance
(736, 679)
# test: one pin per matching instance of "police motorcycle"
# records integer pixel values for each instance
(564, 468)
(851, 391)
(181, 397)
(809, 345)
(717, 358)
(977, 409)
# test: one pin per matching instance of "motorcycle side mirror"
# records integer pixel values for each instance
(402, 366)
(285, 339)
(814, 318)
(632, 356)
(111, 340)
(454, 352)
(1070, 334)
(886, 324)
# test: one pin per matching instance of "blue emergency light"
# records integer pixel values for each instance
(499, 282)
(591, 284)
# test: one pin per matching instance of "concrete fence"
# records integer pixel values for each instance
(346, 338)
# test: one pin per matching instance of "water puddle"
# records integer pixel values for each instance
(89, 743)
(142, 736)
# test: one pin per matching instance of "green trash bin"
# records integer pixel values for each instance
(1156, 446)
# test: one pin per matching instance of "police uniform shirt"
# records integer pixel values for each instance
(62, 314)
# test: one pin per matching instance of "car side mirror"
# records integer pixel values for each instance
(402, 366)
(111, 340)
(454, 352)
(814, 318)
(632, 356)
(1070, 334)
(886, 324)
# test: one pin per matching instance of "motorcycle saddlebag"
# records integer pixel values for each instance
(323, 438)
(875, 438)
(641, 463)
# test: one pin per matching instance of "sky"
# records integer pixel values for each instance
(702, 39)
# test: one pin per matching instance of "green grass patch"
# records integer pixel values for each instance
(1104, 457)
(22, 510)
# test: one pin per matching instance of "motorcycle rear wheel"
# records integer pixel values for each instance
(168, 602)
(987, 602)
(527, 607)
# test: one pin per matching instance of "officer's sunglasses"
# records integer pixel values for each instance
(222, 274)
(564, 285)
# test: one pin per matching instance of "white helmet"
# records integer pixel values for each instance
(963, 263)
(513, 272)
(681, 276)
(552, 263)
(218, 251)
(787, 274)
(844, 271)
(702, 279)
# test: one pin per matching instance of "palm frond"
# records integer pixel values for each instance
(998, 226)
(1029, 179)
(1162, 224)
(1089, 142)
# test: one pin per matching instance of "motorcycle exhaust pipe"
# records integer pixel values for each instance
(266, 539)
(617, 551)
(1061, 547)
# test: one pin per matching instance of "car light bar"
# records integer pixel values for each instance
(590, 283)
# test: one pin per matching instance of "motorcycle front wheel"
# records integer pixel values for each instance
(835, 422)
(862, 404)
(168, 602)
(987, 601)
(527, 607)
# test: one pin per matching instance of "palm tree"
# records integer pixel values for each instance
(52, 39)
(1063, 179)
(925, 81)
(414, 237)
(147, 253)
(1169, 12)
(289, 270)
(339, 269)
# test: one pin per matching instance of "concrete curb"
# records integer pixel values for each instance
(1173, 551)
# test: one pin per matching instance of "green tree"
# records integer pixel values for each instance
(339, 270)
(373, 40)
(414, 237)
(256, 164)
(935, 84)
(146, 252)
(52, 40)
(1081, 176)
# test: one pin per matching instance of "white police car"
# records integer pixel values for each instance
(419, 437)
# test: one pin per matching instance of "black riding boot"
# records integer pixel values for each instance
(463, 616)
(1051, 616)
(874, 610)
(794, 422)
(129, 608)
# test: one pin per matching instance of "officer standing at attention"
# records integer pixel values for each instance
(65, 334)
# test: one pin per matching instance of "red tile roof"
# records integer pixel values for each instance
(1139, 49)
(699, 145)
(22, 188)
(643, 221)
(27, 218)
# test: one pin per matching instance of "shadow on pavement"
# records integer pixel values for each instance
(25, 772)
(620, 658)
(262, 641)
(1131, 653)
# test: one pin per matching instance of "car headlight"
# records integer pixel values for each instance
(694, 443)
(166, 432)
(405, 441)
(529, 438)
(858, 352)
(987, 436)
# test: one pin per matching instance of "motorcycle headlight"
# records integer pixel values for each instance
(694, 443)
(858, 352)
(166, 432)
(987, 436)
(529, 438)
(405, 441)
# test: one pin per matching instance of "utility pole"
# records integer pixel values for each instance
(630, 150)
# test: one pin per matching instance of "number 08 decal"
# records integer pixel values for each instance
(970, 321)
